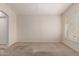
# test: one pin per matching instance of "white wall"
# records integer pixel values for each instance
(39, 28)
(32, 28)
(71, 17)
(12, 23)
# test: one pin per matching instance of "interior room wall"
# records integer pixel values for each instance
(12, 23)
(39, 28)
(71, 17)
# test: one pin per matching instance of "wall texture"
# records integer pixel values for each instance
(71, 17)
(39, 28)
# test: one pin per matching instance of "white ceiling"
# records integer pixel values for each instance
(39, 8)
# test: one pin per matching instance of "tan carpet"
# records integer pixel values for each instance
(39, 49)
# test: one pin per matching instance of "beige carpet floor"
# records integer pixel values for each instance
(40, 49)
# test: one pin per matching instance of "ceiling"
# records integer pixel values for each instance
(39, 8)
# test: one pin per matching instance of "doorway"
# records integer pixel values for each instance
(3, 28)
